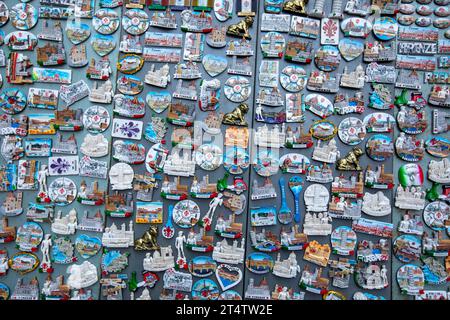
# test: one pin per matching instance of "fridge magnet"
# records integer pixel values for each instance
(186, 214)
(228, 276)
(322, 82)
(223, 9)
(268, 73)
(51, 54)
(369, 251)
(149, 212)
(119, 204)
(420, 63)
(156, 157)
(63, 166)
(434, 245)
(90, 195)
(92, 223)
(117, 3)
(63, 76)
(237, 89)
(295, 108)
(12, 148)
(371, 276)
(129, 106)
(351, 49)
(259, 263)
(68, 120)
(265, 137)
(329, 31)
(344, 105)
(193, 46)
(412, 33)
(199, 241)
(376, 205)
(21, 40)
(103, 44)
(93, 146)
(297, 7)
(12, 204)
(241, 66)
(82, 275)
(293, 163)
(379, 73)
(154, 4)
(23, 262)
(313, 281)
(378, 52)
(319, 173)
(436, 215)
(160, 260)
(411, 121)
(299, 50)
(127, 129)
(3, 262)
(373, 227)
(121, 176)
(106, 21)
(77, 32)
(286, 268)
(317, 253)
(336, 10)
(40, 212)
(8, 233)
(379, 122)
(130, 85)
(434, 271)
(165, 20)
(350, 162)
(24, 16)
(316, 224)
(27, 174)
(385, 28)
(410, 198)
(353, 79)
(358, 8)
(327, 58)
(236, 160)
(263, 191)
(62, 191)
(169, 55)
(424, 10)
(41, 124)
(96, 119)
(113, 237)
(275, 22)
(316, 197)
(344, 208)
(217, 37)
(135, 21)
(202, 266)
(321, 106)
(228, 228)
(266, 163)
(378, 179)
(62, 251)
(442, 11)
(42, 98)
(187, 71)
(176, 280)
(438, 147)
(10, 125)
(293, 78)
(26, 291)
(29, 236)
(128, 152)
(273, 6)
(13, 101)
(351, 131)
(196, 21)
(4, 12)
(55, 289)
(203, 189)
(130, 44)
(103, 93)
(381, 97)
(379, 147)
(272, 45)
(205, 289)
(410, 279)
(406, 248)
(209, 95)
(411, 224)
(246, 8)
(158, 77)
(186, 90)
(241, 47)
(439, 96)
(406, 19)
(409, 148)
(356, 27)
(73, 92)
(323, 130)
(349, 188)
(129, 64)
(263, 216)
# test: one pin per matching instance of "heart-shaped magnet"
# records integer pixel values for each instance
(87, 246)
(350, 49)
(103, 44)
(228, 276)
(77, 32)
(214, 65)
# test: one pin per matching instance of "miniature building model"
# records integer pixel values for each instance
(225, 253)
(317, 224)
(65, 224)
(118, 238)
(410, 198)
(180, 166)
(160, 260)
(26, 291)
(259, 292)
(327, 153)
(264, 137)
(317, 253)
(286, 268)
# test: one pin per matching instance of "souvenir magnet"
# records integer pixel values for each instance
(29, 236)
(21, 41)
(379, 147)
(272, 45)
(327, 58)
(329, 31)
(23, 262)
(24, 16)
(135, 21)
(343, 241)
(351, 49)
(103, 44)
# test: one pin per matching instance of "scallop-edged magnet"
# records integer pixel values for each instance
(356, 27)
(379, 122)
(294, 163)
(62, 251)
(351, 131)
(343, 241)
(77, 31)
(350, 49)
(436, 215)
(410, 174)
(319, 105)
(423, 21)
(24, 16)
(223, 9)
(87, 246)
(323, 130)
(228, 276)
(327, 58)
(214, 65)
(259, 263)
(158, 101)
(385, 28)
(407, 248)
(205, 289)
(186, 214)
(208, 156)
(202, 266)
(129, 106)
(424, 10)
(29, 236)
(412, 121)
(410, 279)
(13, 101)
(272, 45)
(438, 147)
(62, 191)
(135, 21)
(96, 119)
(293, 78)
(236, 160)
(106, 21)
(237, 89)
(130, 63)
(266, 163)
(23, 263)
(130, 85)
(406, 20)
(380, 147)
(103, 44)
(4, 15)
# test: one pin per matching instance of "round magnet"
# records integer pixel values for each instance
(237, 88)
(407, 248)
(236, 160)
(87, 246)
(135, 21)
(327, 58)
(423, 21)
(259, 263)
(186, 214)
(12, 101)
(424, 10)
(63, 191)
(380, 147)
(205, 289)
(385, 28)
(106, 21)
(411, 279)
(208, 156)
(406, 20)
(96, 119)
(266, 163)
(351, 131)
(407, 8)
(293, 78)
(442, 11)
(24, 16)
(436, 214)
